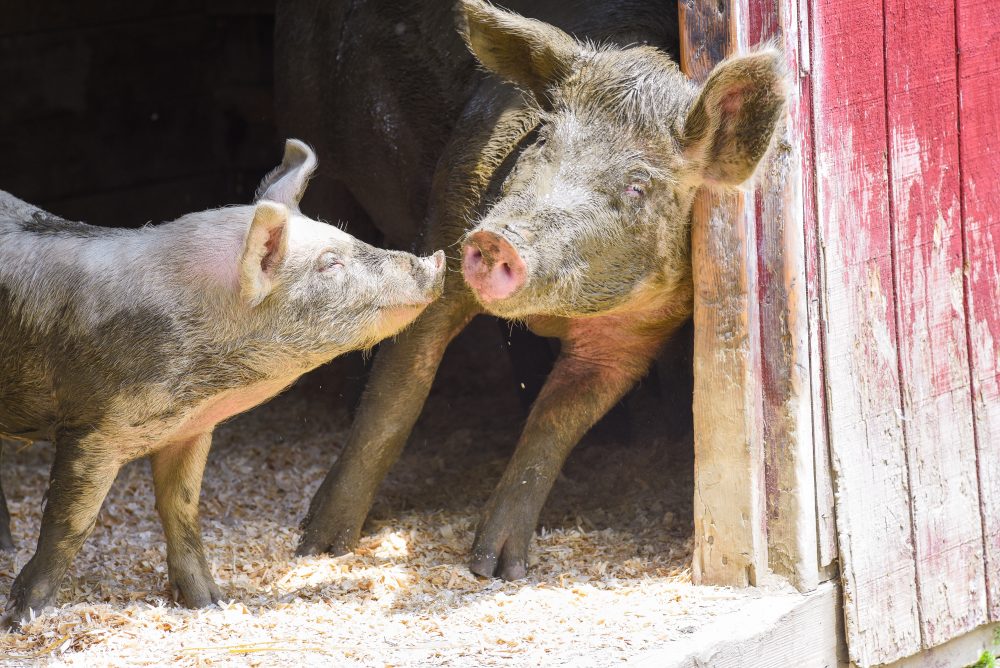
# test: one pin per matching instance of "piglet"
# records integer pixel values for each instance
(120, 344)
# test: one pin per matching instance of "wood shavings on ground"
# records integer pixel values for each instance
(609, 576)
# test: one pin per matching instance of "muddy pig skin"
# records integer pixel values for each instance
(564, 181)
(119, 344)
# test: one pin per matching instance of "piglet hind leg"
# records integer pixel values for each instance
(81, 476)
(400, 381)
(598, 364)
(177, 473)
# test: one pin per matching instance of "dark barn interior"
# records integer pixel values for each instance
(127, 113)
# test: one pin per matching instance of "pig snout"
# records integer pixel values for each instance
(492, 266)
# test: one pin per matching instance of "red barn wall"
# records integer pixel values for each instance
(904, 98)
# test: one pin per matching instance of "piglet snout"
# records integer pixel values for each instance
(492, 266)
(435, 265)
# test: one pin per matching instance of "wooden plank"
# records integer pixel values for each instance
(826, 529)
(922, 129)
(978, 42)
(784, 324)
(124, 106)
(729, 515)
(863, 394)
(774, 631)
(50, 17)
(964, 650)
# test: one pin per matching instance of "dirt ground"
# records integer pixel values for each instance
(609, 580)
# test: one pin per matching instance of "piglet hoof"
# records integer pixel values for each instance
(195, 589)
(498, 552)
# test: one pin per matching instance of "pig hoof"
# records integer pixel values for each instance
(197, 592)
(508, 561)
(315, 542)
(12, 621)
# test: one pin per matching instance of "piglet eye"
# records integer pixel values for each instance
(635, 190)
(329, 262)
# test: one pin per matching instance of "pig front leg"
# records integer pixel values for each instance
(598, 364)
(177, 473)
(400, 380)
(6, 540)
(81, 476)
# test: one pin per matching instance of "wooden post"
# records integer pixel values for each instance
(729, 515)
(786, 359)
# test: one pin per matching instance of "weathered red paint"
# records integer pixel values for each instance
(825, 517)
(978, 47)
(786, 362)
(921, 126)
(863, 399)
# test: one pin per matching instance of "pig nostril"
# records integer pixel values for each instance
(507, 270)
(477, 254)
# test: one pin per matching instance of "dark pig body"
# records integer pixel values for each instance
(566, 181)
(119, 344)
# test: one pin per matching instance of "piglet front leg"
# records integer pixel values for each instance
(599, 362)
(177, 473)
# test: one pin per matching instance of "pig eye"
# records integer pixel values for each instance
(329, 262)
(635, 190)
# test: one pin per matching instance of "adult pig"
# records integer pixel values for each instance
(119, 344)
(566, 182)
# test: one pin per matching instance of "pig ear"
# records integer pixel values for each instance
(263, 251)
(287, 182)
(729, 128)
(528, 53)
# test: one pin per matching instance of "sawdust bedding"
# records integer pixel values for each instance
(609, 579)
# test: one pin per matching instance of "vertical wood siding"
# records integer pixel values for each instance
(906, 123)
(978, 46)
(922, 131)
(786, 362)
(861, 359)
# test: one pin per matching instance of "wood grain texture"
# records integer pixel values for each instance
(774, 631)
(922, 126)
(978, 45)
(784, 322)
(729, 515)
(128, 106)
(863, 394)
(826, 528)
(965, 650)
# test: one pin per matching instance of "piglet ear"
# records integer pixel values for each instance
(287, 182)
(264, 251)
(729, 127)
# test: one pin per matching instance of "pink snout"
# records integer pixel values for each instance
(492, 267)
